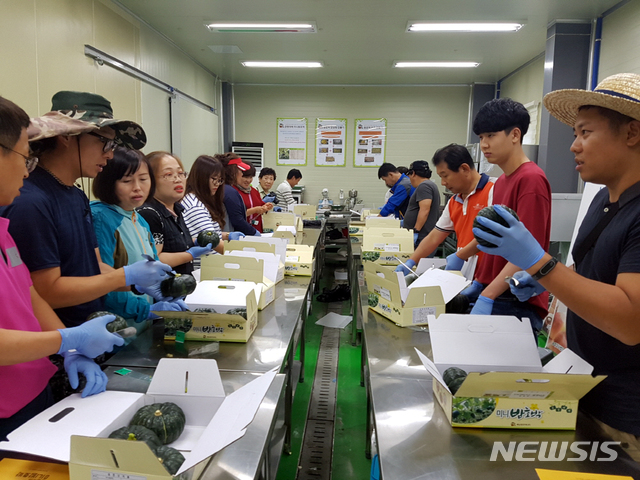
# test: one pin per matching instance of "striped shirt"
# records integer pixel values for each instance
(283, 194)
(197, 217)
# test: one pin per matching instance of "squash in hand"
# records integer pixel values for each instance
(118, 324)
(170, 458)
(207, 237)
(178, 286)
(490, 213)
(166, 420)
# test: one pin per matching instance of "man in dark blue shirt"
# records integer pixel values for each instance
(401, 190)
(603, 293)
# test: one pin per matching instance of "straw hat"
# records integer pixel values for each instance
(73, 113)
(620, 92)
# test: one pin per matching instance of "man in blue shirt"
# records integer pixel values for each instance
(401, 190)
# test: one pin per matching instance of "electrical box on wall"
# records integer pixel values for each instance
(251, 152)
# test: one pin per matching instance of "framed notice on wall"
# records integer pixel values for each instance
(331, 136)
(292, 141)
(370, 142)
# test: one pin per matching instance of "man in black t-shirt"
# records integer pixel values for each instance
(424, 205)
(603, 293)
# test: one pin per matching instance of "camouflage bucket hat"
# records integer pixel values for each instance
(73, 113)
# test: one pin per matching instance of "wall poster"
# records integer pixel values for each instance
(370, 142)
(292, 141)
(331, 136)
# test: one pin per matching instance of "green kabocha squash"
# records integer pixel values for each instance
(207, 237)
(458, 304)
(491, 214)
(118, 324)
(138, 433)
(166, 420)
(178, 286)
(453, 378)
(170, 458)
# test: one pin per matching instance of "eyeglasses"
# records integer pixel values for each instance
(216, 181)
(109, 143)
(171, 176)
(30, 162)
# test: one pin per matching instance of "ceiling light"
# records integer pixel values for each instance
(436, 64)
(263, 27)
(464, 27)
(282, 64)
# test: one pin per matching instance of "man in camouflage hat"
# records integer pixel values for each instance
(51, 220)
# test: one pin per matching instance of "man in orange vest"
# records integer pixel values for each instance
(473, 191)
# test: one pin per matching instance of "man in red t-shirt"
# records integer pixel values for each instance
(501, 124)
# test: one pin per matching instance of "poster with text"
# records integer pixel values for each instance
(370, 142)
(331, 136)
(292, 141)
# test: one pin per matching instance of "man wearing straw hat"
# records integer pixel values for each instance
(51, 220)
(602, 291)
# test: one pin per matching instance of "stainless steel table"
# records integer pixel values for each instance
(257, 453)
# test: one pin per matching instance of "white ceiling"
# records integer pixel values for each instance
(359, 40)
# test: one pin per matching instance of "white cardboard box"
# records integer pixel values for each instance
(305, 211)
(299, 260)
(78, 434)
(382, 222)
(241, 268)
(505, 377)
(277, 246)
(272, 220)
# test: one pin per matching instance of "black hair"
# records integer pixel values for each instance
(616, 119)
(294, 173)
(454, 156)
(124, 162)
(502, 114)
(403, 170)
(267, 171)
(385, 169)
(230, 171)
(251, 172)
(13, 120)
(420, 168)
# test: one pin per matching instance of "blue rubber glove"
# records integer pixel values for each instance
(402, 223)
(454, 262)
(173, 306)
(401, 268)
(145, 273)
(91, 338)
(514, 243)
(257, 234)
(527, 286)
(197, 251)
(472, 291)
(154, 291)
(236, 235)
(75, 363)
(269, 198)
(277, 209)
(483, 306)
(415, 238)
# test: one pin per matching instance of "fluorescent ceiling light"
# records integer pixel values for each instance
(282, 64)
(436, 64)
(263, 27)
(464, 27)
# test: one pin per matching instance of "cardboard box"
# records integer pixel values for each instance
(366, 212)
(299, 260)
(241, 268)
(305, 211)
(405, 305)
(226, 325)
(272, 220)
(78, 434)
(277, 246)
(382, 222)
(506, 385)
(385, 245)
(356, 229)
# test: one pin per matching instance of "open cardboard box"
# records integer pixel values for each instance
(386, 245)
(242, 268)
(506, 385)
(299, 260)
(276, 246)
(366, 212)
(227, 324)
(382, 222)
(305, 211)
(75, 430)
(272, 220)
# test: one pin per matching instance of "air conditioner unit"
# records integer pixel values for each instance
(250, 152)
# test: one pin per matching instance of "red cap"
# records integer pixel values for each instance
(241, 165)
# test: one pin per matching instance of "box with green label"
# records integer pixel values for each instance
(385, 246)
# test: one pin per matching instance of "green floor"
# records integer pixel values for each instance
(349, 461)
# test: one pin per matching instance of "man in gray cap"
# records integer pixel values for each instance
(424, 205)
(602, 290)
(51, 220)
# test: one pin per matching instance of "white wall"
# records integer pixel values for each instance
(419, 121)
(620, 51)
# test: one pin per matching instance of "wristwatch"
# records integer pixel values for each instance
(545, 269)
